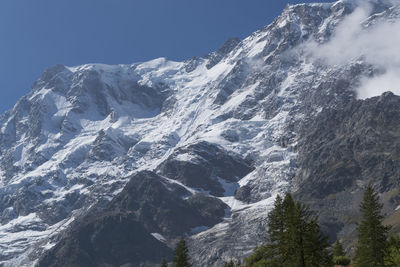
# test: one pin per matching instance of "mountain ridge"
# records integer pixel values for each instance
(224, 129)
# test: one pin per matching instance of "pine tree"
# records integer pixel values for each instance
(276, 226)
(164, 263)
(295, 239)
(263, 256)
(393, 259)
(315, 245)
(229, 264)
(291, 242)
(181, 258)
(304, 245)
(372, 245)
(339, 257)
(338, 249)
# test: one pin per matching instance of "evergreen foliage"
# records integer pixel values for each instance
(339, 257)
(295, 238)
(341, 260)
(338, 249)
(164, 263)
(181, 258)
(229, 264)
(373, 246)
(262, 256)
(393, 259)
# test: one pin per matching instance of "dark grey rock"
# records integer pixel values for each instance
(215, 57)
(243, 193)
(119, 233)
(209, 162)
(343, 151)
(109, 239)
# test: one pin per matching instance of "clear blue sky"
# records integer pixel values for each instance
(35, 34)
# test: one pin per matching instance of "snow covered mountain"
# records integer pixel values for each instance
(198, 148)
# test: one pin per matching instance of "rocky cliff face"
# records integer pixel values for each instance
(102, 164)
(348, 148)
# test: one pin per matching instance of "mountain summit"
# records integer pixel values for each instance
(113, 164)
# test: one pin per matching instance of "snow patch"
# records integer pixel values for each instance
(159, 237)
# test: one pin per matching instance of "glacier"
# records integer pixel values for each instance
(71, 143)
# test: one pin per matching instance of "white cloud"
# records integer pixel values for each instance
(378, 44)
(389, 81)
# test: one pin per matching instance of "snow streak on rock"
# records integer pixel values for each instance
(69, 145)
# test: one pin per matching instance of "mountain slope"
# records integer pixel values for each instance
(348, 148)
(197, 148)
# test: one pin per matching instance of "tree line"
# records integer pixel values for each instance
(295, 240)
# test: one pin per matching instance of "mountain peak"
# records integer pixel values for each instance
(219, 133)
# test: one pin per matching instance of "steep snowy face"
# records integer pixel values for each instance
(68, 103)
(65, 144)
(225, 126)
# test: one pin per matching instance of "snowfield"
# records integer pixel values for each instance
(81, 131)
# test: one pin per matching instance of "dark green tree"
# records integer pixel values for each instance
(276, 227)
(339, 257)
(263, 256)
(315, 244)
(393, 259)
(164, 263)
(373, 246)
(338, 249)
(303, 243)
(292, 241)
(341, 260)
(181, 258)
(229, 264)
(295, 239)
